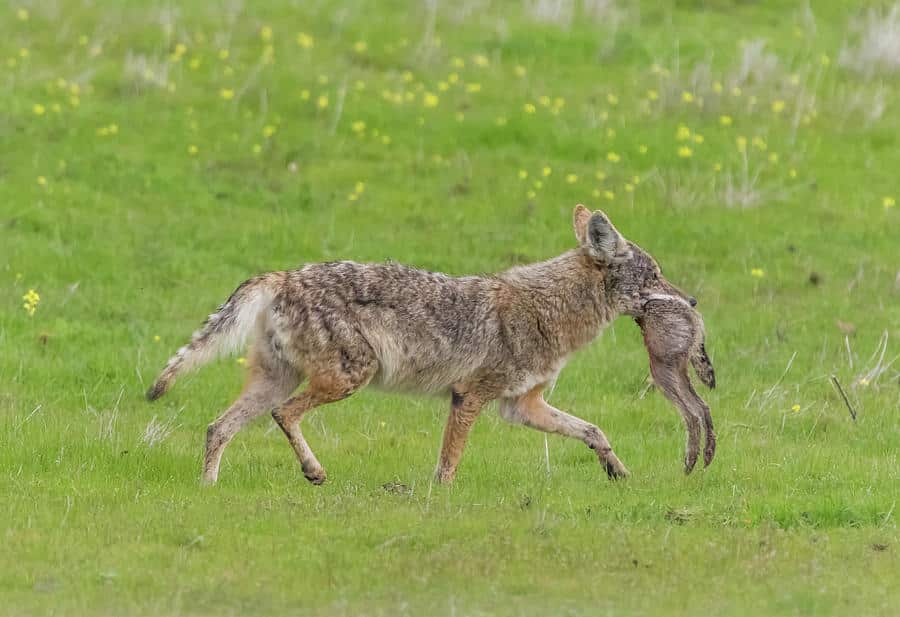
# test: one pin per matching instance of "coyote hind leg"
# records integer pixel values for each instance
(268, 384)
(326, 386)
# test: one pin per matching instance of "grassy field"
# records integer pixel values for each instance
(154, 157)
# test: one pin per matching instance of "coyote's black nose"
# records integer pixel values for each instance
(692, 300)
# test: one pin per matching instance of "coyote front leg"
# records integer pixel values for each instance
(464, 409)
(532, 410)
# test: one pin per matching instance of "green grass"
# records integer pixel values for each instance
(127, 236)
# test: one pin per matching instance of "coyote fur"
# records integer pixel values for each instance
(342, 325)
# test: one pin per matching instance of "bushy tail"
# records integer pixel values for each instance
(224, 331)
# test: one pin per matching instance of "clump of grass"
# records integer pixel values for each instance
(875, 42)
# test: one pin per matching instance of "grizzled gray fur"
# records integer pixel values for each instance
(341, 326)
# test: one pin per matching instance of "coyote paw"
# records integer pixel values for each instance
(615, 469)
(315, 476)
(444, 476)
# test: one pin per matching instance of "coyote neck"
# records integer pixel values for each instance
(563, 300)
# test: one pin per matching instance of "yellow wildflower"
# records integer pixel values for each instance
(888, 202)
(643, 149)
(360, 47)
(22, 14)
(523, 174)
(265, 33)
(529, 108)
(685, 152)
(304, 40)
(757, 273)
(322, 101)
(571, 178)
(481, 60)
(226, 93)
(473, 87)
(268, 131)
(652, 95)
(725, 120)
(223, 54)
(32, 298)
(546, 171)
(612, 99)
(519, 71)
(741, 142)
(682, 133)
(430, 100)
(612, 157)
(687, 97)
(795, 408)
(358, 127)
(717, 87)
(38, 109)
(193, 150)
(609, 195)
(41, 180)
(777, 106)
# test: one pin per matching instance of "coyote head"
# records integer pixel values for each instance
(633, 276)
(673, 331)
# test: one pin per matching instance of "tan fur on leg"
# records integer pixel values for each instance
(464, 409)
(533, 411)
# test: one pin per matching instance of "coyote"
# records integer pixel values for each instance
(504, 337)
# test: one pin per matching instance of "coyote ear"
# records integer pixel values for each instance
(604, 241)
(580, 218)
